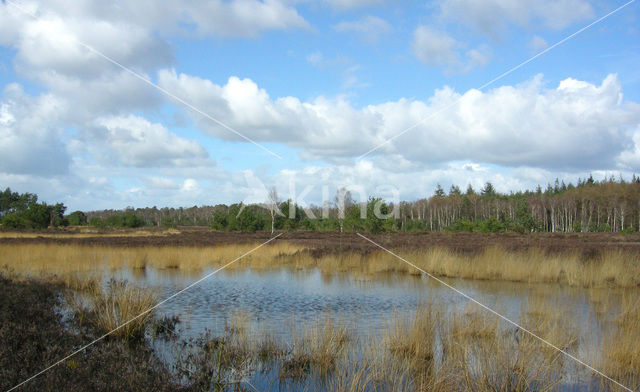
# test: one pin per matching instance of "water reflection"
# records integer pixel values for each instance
(280, 301)
(276, 296)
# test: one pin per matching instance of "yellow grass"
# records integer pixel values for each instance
(62, 259)
(613, 269)
(621, 345)
(119, 308)
(90, 233)
(321, 343)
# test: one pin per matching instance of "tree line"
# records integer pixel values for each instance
(610, 205)
(22, 210)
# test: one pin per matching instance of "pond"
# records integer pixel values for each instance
(280, 301)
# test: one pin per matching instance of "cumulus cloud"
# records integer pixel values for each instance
(352, 4)
(247, 18)
(437, 48)
(365, 179)
(47, 49)
(369, 28)
(492, 16)
(137, 142)
(31, 138)
(239, 18)
(577, 125)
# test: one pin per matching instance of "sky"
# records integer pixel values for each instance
(387, 98)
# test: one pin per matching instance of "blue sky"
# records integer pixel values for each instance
(319, 83)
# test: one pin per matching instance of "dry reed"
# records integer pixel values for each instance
(612, 269)
(118, 308)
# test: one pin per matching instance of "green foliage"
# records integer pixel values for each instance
(125, 219)
(414, 225)
(488, 190)
(247, 220)
(15, 221)
(24, 212)
(376, 220)
(628, 230)
(491, 225)
(220, 219)
(15, 202)
(461, 225)
(168, 222)
(77, 218)
(97, 222)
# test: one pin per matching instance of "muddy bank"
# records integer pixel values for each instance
(33, 336)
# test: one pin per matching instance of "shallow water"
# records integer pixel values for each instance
(279, 298)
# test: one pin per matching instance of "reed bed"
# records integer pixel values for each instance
(62, 259)
(320, 344)
(621, 346)
(119, 308)
(614, 268)
(434, 349)
(89, 233)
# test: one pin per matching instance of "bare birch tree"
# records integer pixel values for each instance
(272, 205)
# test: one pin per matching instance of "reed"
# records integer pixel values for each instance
(620, 350)
(319, 344)
(117, 309)
(413, 341)
(614, 268)
(90, 233)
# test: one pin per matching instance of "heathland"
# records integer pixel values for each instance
(59, 291)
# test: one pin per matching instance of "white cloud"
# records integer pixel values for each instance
(31, 139)
(630, 159)
(369, 28)
(315, 58)
(47, 49)
(161, 183)
(437, 48)
(352, 4)
(538, 44)
(492, 16)
(137, 142)
(577, 125)
(244, 18)
(239, 18)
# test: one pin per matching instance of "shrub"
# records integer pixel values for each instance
(77, 218)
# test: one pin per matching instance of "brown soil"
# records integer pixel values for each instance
(33, 337)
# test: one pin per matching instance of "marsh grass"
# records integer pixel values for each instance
(621, 345)
(118, 307)
(87, 232)
(317, 345)
(613, 268)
